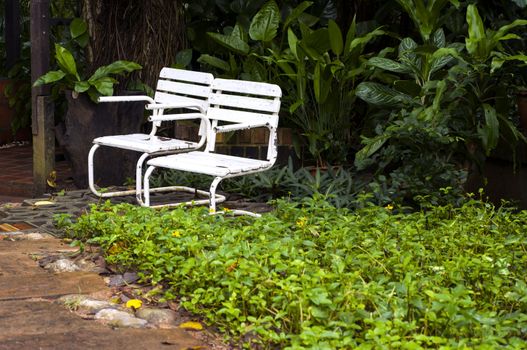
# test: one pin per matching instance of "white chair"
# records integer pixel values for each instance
(236, 105)
(176, 89)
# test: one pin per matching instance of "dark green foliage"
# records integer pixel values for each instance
(312, 276)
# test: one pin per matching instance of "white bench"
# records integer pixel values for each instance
(176, 89)
(233, 105)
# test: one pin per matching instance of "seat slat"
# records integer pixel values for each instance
(242, 86)
(183, 88)
(208, 163)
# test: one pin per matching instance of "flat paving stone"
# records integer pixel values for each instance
(31, 319)
(34, 324)
(49, 285)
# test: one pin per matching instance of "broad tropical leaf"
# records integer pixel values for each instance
(116, 67)
(50, 77)
(66, 61)
(214, 62)
(335, 38)
(297, 12)
(264, 25)
(490, 132)
(372, 146)
(232, 42)
(389, 65)
(380, 95)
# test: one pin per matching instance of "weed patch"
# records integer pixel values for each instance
(312, 276)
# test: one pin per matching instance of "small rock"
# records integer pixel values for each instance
(85, 304)
(62, 265)
(32, 236)
(87, 265)
(123, 280)
(118, 318)
(130, 277)
(163, 318)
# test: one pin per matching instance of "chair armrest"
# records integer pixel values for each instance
(155, 106)
(130, 98)
(240, 126)
(205, 125)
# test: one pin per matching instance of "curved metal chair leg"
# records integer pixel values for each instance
(139, 177)
(212, 191)
(91, 182)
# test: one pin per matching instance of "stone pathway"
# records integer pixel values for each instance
(53, 298)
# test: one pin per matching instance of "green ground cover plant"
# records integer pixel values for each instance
(308, 275)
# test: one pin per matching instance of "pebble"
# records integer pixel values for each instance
(123, 280)
(118, 318)
(163, 318)
(62, 265)
(85, 304)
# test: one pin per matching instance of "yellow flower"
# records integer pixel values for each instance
(389, 207)
(301, 222)
(134, 303)
(196, 326)
(176, 234)
(226, 210)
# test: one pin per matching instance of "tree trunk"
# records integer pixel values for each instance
(147, 32)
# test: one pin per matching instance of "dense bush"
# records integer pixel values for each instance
(312, 276)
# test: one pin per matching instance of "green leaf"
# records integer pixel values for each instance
(389, 65)
(350, 36)
(439, 39)
(264, 25)
(104, 85)
(297, 11)
(81, 86)
(292, 41)
(316, 43)
(358, 44)
(443, 56)
(476, 33)
(372, 146)
(232, 43)
(214, 62)
(50, 77)
(117, 67)
(490, 132)
(184, 58)
(78, 27)
(79, 32)
(66, 61)
(380, 95)
(335, 38)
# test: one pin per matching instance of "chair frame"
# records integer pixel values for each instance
(220, 109)
(157, 105)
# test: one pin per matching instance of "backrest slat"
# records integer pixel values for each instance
(233, 116)
(245, 102)
(186, 75)
(183, 88)
(165, 98)
(243, 86)
(177, 85)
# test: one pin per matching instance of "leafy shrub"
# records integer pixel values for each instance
(339, 185)
(312, 276)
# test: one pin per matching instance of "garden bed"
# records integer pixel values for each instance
(308, 275)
